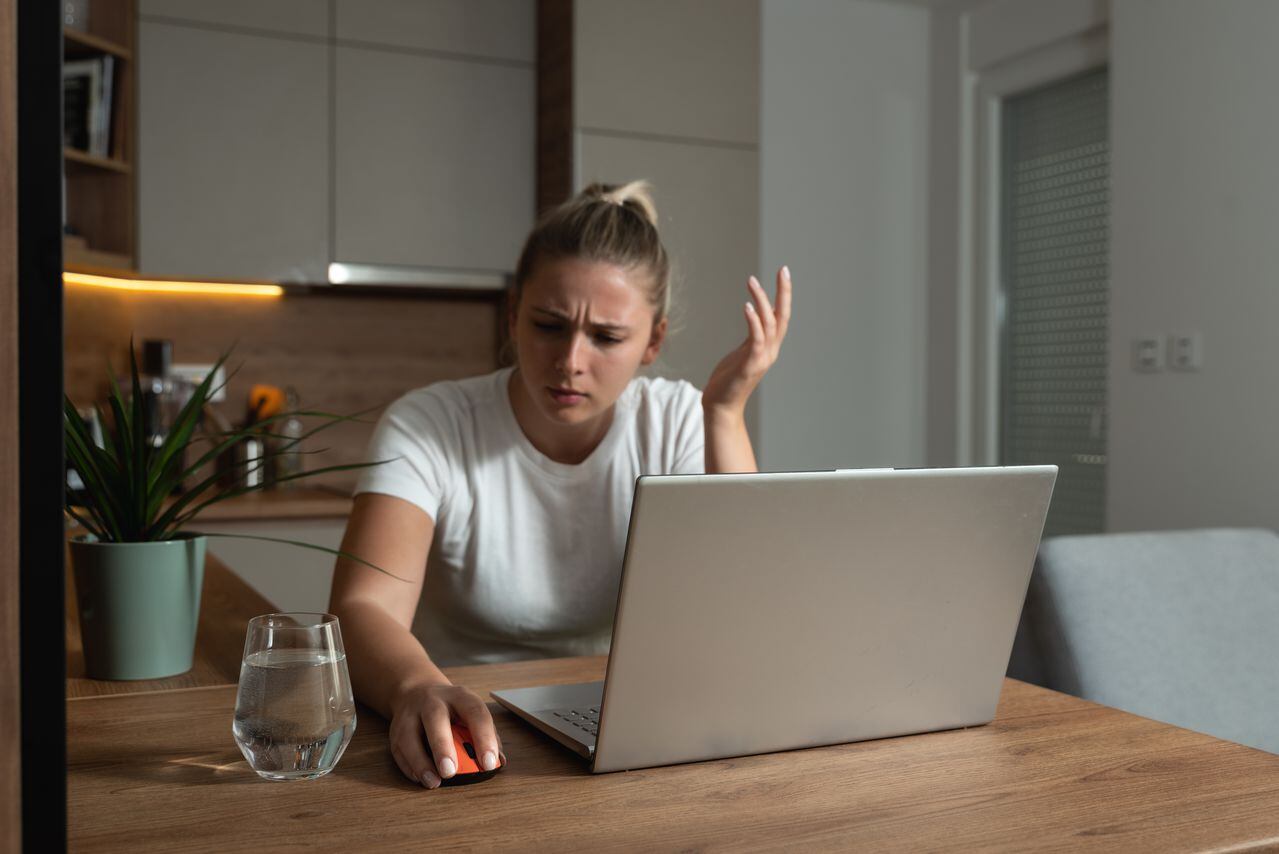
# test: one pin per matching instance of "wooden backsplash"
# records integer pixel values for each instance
(342, 352)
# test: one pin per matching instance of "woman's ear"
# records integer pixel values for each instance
(655, 341)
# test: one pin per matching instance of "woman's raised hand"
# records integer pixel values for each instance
(427, 711)
(737, 374)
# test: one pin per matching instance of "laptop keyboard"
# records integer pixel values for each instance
(587, 720)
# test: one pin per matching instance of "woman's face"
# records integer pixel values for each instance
(581, 331)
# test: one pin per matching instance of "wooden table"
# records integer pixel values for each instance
(160, 772)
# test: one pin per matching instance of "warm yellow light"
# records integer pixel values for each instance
(158, 286)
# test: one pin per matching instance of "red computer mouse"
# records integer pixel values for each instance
(468, 766)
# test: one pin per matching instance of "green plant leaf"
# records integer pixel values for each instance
(177, 523)
(128, 480)
(337, 552)
(118, 433)
(84, 523)
(179, 436)
(81, 450)
(141, 446)
(228, 440)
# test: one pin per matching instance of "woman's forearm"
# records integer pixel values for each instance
(728, 445)
(383, 657)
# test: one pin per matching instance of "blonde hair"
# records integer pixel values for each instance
(616, 224)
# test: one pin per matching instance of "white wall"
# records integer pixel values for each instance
(669, 91)
(1195, 247)
(844, 202)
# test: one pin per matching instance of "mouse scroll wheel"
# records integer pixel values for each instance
(470, 749)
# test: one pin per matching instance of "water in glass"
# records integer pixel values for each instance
(294, 713)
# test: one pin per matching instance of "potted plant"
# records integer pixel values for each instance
(138, 572)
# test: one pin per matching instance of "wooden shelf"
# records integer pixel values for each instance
(78, 43)
(75, 155)
(78, 258)
(100, 189)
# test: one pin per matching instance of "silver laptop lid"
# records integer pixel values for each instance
(763, 612)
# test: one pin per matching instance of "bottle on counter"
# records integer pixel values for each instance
(289, 461)
(160, 402)
(157, 387)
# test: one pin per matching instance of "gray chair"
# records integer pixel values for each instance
(1179, 626)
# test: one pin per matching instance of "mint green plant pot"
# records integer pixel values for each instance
(139, 605)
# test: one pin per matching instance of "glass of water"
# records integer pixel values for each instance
(294, 712)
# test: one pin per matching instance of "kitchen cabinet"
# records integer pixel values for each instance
(234, 155)
(275, 138)
(293, 17)
(688, 70)
(434, 160)
(461, 28)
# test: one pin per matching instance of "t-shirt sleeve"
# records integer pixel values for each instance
(687, 430)
(415, 444)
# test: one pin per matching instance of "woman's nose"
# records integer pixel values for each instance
(571, 357)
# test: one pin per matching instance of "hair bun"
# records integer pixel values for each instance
(637, 195)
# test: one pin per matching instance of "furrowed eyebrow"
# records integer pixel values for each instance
(564, 318)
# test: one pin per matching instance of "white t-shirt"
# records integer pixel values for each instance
(527, 554)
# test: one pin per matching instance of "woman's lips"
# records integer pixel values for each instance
(566, 396)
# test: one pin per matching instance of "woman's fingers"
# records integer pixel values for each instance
(755, 326)
(439, 736)
(783, 301)
(409, 751)
(488, 747)
(763, 307)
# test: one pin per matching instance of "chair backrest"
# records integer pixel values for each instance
(1180, 626)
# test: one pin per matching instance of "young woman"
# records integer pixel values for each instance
(507, 499)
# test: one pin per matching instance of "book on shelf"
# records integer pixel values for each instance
(87, 89)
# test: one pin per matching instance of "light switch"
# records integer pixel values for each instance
(1148, 353)
(1185, 351)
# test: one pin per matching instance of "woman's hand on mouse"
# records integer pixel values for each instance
(738, 373)
(422, 715)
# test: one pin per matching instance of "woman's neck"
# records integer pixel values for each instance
(569, 444)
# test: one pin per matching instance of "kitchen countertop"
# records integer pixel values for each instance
(302, 502)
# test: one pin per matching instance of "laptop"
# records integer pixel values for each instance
(778, 611)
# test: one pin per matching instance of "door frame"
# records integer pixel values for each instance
(1012, 58)
(32, 562)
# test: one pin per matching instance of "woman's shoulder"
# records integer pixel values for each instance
(664, 393)
(451, 399)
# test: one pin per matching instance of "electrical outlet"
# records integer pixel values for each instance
(1148, 353)
(195, 375)
(1185, 351)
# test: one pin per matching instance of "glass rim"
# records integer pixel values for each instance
(324, 620)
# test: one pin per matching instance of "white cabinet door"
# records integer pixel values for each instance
(233, 176)
(435, 159)
(476, 28)
(294, 17)
(291, 578)
(668, 67)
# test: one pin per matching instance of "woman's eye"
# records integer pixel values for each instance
(608, 339)
(548, 327)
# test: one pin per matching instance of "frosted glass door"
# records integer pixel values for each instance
(1055, 239)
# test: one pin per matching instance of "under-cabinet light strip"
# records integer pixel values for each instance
(158, 286)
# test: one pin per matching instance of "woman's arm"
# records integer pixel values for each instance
(728, 445)
(390, 670)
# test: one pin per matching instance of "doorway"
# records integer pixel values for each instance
(1053, 306)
